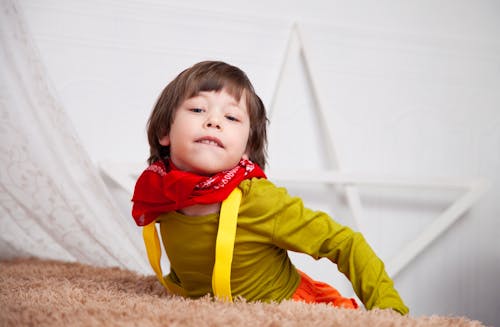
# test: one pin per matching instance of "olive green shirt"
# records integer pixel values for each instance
(270, 222)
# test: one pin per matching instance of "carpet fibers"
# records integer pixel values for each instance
(49, 293)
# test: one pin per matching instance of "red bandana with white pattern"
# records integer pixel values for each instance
(162, 188)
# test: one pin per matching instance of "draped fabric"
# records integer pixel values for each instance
(53, 203)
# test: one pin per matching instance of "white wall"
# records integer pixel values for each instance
(411, 89)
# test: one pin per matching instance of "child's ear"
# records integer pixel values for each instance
(165, 140)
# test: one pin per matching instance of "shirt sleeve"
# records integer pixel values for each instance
(300, 229)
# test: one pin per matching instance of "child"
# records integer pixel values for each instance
(207, 136)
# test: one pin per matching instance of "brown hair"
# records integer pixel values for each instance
(208, 76)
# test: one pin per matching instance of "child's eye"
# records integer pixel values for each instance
(197, 110)
(232, 118)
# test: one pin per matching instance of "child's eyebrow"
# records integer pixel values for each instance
(234, 103)
(243, 108)
(196, 97)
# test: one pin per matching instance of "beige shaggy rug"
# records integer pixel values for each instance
(50, 293)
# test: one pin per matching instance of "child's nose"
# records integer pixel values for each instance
(213, 122)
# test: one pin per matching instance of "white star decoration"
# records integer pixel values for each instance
(125, 175)
(472, 189)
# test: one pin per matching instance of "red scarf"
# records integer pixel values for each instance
(162, 188)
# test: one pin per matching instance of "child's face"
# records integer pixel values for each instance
(209, 133)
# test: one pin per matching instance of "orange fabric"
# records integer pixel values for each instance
(311, 291)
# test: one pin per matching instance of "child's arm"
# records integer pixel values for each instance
(317, 234)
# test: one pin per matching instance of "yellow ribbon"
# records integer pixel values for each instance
(224, 246)
(153, 248)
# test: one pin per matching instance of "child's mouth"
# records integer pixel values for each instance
(210, 141)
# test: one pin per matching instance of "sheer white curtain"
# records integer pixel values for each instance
(53, 203)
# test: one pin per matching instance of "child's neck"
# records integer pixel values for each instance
(201, 209)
